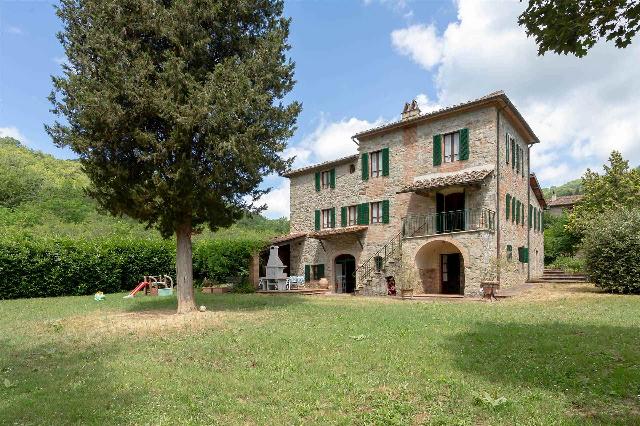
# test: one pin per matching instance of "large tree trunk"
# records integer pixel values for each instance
(184, 270)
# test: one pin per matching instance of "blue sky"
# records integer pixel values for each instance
(359, 61)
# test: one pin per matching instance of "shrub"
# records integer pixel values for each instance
(612, 251)
(64, 267)
(569, 264)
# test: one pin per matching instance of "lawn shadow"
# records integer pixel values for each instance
(236, 302)
(50, 383)
(595, 366)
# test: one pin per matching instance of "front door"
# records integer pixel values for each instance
(345, 268)
(450, 273)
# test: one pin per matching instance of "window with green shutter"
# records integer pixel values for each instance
(513, 209)
(464, 144)
(517, 212)
(508, 205)
(522, 159)
(307, 273)
(513, 153)
(437, 150)
(333, 217)
(319, 271)
(365, 165)
(343, 216)
(317, 223)
(517, 159)
(507, 144)
(332, 178)
(529, 215)
(385, 162)
(385, 211)
(363, 214)
(317, 181)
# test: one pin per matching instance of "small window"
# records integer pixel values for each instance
(317, 272)
(352, 215)
(451, 147)
(326, 179)
(352, 168)
(326, 218)
(376, 163)
(378, 262)
(376, 212)
(509, 252)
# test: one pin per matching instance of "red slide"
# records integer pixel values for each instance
(139, 287)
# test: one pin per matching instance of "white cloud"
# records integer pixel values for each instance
(13, 132)
(277, 201)
(580, 108)
(426, 105)
(14, 30)
(420, 42)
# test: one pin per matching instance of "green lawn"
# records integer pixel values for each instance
(562, 357)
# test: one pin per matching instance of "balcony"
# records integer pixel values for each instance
(448, 222)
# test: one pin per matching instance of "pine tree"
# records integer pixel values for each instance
(175, 109)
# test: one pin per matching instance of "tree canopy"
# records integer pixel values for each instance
(175, 109)
(574, 26)
(618, 187)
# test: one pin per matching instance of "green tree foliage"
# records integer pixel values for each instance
(612, 251)
(574, 26)
(573, 187)
(558, 241)
(617, 188)
(175, 109)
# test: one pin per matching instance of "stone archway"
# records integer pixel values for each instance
(440, 264)
(345, 267)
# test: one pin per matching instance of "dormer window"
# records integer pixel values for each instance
(451, 147)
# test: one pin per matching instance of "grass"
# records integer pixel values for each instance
(563, 355)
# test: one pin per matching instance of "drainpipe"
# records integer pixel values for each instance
(528, 210)
(498, 191)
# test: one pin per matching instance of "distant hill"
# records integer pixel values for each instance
(573, 187)
(43, 195)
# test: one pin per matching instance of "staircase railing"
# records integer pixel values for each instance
(379, 259)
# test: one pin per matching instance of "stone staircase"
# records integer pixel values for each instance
(560, 276)
(371, 274)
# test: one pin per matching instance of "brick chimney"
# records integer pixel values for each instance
(410, 110)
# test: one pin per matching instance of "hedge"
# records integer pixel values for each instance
(64, 267)
(612, 251)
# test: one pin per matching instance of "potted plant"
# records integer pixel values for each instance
(408, 276)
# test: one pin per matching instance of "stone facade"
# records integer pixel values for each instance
(410, 145)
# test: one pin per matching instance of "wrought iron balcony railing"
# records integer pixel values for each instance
(448, 222)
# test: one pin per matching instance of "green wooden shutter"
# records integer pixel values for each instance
(517, 160)
(513, 209)
(522, 161)
(317, 181)
(317, 220)
(307, 273)
(437, 150)
(320, 271)
(333, 217)
(385, 161)
(365, 165)
(508, 205)
(332, 178)
(385, 211)
(506, 157)
(513, 153)
(517, 211)
(529, 215)
(464, 144)
(343, 216)
(363, 214)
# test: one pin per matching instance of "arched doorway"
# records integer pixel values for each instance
(344, 279)
(441, 267)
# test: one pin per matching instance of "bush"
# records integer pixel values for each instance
(569, 264)
(612, 251)
(64, 267)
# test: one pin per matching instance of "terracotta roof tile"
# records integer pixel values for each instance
(337, 231)
(442, 180)
(565, 200)
(321, 165)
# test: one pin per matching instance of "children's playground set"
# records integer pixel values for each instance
(161, 285)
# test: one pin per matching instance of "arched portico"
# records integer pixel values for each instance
(440, 264)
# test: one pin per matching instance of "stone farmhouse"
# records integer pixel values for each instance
(559, 204)
(448, 194)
